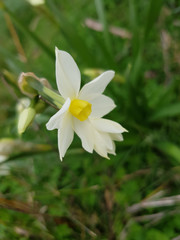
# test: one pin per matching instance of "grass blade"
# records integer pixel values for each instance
(153, 13)
(170, 149)
(172, 110)
(101, 14)
(29, 33)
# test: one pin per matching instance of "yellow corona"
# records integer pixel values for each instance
(80, 109)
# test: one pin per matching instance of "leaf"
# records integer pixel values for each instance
(101, 13)
(28, 32)
(70, 33)
(172, 110)
(153, 13)
(156, 235)
(134, 23)
(170, 149)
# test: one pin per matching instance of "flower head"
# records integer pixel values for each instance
(83, 110)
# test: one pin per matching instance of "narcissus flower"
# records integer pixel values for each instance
(83, 110)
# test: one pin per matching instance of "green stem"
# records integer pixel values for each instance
(47, 93)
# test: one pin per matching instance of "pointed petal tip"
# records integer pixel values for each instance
(58, 51)
(48, 126)
(114, 105)
(61, 156)
(112, 152)
(112, 73)
(104, 155)
(125, 130)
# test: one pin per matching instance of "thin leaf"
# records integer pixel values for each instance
(153, 13)
(172, 110)
(170, 149)
(70, 32)
(101, 13)
(134, 28)
(31, 34)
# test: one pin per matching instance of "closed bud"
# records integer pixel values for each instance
(95, 72)
(25, 119)
(36, 2)
(24, 83)
(92, 72)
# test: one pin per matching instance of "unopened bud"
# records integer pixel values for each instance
(95, 72)
(119, 78)
(36, 2)
(25, 86)
(22, 104)
(25, 119)
(92, 72)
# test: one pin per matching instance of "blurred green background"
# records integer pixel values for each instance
(134, 195)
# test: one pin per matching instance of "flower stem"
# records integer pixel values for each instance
(47, 93)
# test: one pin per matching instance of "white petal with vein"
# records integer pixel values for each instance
(68, 76)
(101, 106)
(65, 134)
(109, 126)
(117, 136)
(113, 149)
(55, 120)
(100, 146)
(96, 86)
(84, 130)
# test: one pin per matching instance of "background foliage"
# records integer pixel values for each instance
(135, 195)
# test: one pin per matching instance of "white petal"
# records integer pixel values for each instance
(97, 86)
(101, 106)
(113, 149)
(84, 130)
(55, 120)
(109, 126)
(100, 145)
(117, 136)
(104, 144)
(68, 76)
(106, 138)
(65, 134)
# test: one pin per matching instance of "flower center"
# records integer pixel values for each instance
(80, 109)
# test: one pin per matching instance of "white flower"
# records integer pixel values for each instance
(83, 110)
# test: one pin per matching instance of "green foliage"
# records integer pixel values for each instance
(85, 196)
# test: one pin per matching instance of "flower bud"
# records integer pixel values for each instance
(25, 86)
(25, 119)
(95, 72)
(36, 2)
